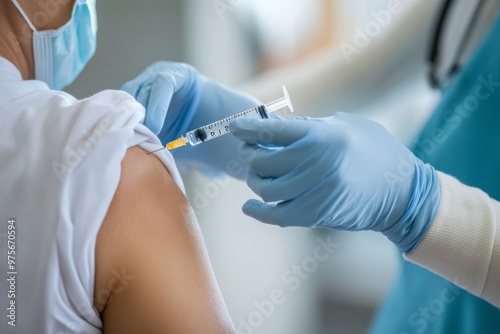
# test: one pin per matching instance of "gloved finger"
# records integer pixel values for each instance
(290, 185)
(142, 95)
(263, 212)
(281, 132)
(266, 161)
(179, 80)
(134, 86)
(158, 99)
(278, 161)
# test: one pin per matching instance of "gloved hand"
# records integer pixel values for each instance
(342, 172)
(179, 99)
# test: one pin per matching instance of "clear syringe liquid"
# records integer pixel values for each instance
(221, 127)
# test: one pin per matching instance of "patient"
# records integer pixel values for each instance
(151, 231)
(105, 240)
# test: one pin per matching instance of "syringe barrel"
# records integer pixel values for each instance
(221, 127)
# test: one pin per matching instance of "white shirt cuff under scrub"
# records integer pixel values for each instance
(463, 242)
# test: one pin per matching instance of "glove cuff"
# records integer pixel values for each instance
(411, 228)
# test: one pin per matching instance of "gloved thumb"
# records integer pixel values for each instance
(264, 212)
(267, 213)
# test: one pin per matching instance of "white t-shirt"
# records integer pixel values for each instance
(59, 170)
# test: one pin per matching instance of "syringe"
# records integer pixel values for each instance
(221, 127)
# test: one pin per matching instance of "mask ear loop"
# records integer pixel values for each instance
(18, 6)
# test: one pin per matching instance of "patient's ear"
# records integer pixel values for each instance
(151, 261)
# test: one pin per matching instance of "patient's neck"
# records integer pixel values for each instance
(16, 40)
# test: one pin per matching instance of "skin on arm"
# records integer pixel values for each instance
(151, 240)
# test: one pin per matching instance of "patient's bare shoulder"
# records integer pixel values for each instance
(152, 269)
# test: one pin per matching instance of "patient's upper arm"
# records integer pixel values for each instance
(151, 259)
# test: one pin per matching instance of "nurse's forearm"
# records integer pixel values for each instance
(463, 242)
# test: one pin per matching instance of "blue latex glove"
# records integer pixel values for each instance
(343, 172)
(178, 99)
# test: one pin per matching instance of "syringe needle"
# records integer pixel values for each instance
(158, 150)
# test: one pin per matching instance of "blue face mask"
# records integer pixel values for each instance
(60, 55)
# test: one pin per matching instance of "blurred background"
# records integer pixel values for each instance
(316, 48)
